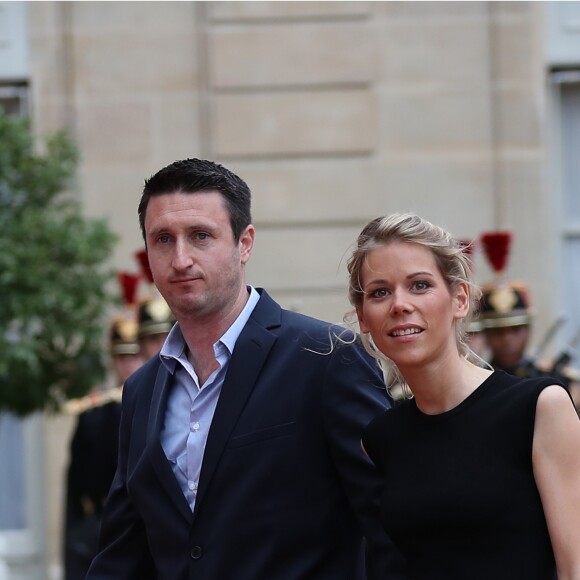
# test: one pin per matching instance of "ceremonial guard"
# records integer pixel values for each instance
(475, 337)
(154, 315)
(93, 450)
(475, 332)
(506, 314)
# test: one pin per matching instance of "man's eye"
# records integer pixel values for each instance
(163, 239)
(202, 235)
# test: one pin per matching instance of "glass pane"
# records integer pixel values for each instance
(571, 153)
(572, 261)
(12, 479)
(12, 488)
(14, 99)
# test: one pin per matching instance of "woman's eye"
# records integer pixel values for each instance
(378, 293)
(422, 285)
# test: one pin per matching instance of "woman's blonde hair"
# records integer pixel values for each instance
(451, 258)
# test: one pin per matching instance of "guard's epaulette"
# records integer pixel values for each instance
(93, 400)
(571, 373)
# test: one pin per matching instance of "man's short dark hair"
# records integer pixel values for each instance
(194, 176)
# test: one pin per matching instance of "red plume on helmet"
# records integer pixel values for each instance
(496, 247)
(505, 302)
(143, 260)
(467, 247)
(129, 284)
(123, 328)
(153, 313)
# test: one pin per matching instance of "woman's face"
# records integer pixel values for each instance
(407, 306)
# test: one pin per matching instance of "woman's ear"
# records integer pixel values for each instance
(461, 300)
(361, 321)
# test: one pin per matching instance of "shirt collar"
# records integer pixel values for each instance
(231, 335)
(174, 347)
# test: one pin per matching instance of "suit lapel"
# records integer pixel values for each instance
(154, 448)
(250, 354)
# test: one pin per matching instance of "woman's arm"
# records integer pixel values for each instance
(556, 461)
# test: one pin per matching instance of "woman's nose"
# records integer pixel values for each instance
(400, 302)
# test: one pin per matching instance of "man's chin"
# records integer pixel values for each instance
(188, 305)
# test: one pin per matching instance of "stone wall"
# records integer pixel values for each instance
(334, 112)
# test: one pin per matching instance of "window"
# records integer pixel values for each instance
(12, 481)
(21, 498)
(567, 96)
(14, 99)
(12, 499)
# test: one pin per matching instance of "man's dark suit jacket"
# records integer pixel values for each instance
(285, 492)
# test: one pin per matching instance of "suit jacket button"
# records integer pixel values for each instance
(196, 552)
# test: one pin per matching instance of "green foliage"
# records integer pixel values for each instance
(53, 275)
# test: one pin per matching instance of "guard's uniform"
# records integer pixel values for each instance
(527, 369)
(93, 452)
(506, 304)
(153, 313)
(154, 316)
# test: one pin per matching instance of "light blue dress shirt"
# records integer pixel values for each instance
(191, 406)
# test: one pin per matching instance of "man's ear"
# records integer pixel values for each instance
(246, 243)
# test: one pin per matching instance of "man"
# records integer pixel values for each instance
(93, 451)
(507, 317)
(153, 313)
(505, 311)
(155, 321)
(475, 336)
(240, 452)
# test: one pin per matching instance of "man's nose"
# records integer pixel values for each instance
(182, 258)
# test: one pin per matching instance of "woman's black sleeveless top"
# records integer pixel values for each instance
(460, 499)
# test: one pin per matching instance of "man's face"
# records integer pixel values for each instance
(151, 345)
(125, 365)
(196, 264)
(507, 344)
(477, 343)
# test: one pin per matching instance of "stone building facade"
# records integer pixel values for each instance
(467, 113)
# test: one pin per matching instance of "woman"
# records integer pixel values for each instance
(481, 468)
